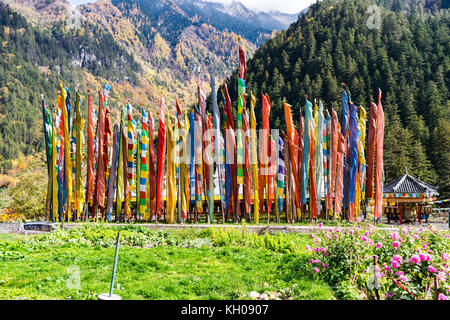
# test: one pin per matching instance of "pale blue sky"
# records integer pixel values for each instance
(288, 6)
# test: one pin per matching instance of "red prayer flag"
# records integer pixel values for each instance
(339, 174)
(333, 156)
(312, 189)
(100, 186)
(379, 161)
(161, 153)
(90, 150)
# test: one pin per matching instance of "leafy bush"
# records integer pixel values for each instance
(9, 251)
(97, 235)
(412, 263)
(283, 243)
(27, 196)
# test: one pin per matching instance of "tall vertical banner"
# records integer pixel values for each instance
(353, 160)
(47, 121)
(264, 160)
(144, 166)
(280, 176)
(333, 159)
(184, 169)
(131, 134)
(126, 182)
(271, 177)
(241, 106)
(60, 158)
(192, 157)
(209, 158)
(231, 154)
(138, 140)
(171, 194)
(379, 159)
(113, 173)
(301, 130)
(100, 185)
(78, 157)
(54, 189)
(90, 151)
(327, 152)
(345, 113)
(318, 160)
(198, 134)
(47, 126)
(205, 138)
(254, 163)
(247, 171)
(306, 149)
(371, 142)
(361, 159)
(312, 180)
(67, 155)
(217, 134)
(161, 152)
(151, 203)
(292, 150)
(120, 169)
(339, 175)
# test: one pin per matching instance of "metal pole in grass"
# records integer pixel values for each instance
(111, 296)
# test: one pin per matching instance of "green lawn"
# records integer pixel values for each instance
(32, 268)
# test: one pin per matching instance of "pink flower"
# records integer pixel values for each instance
(396, 244)
(358, 219)
(415, 259)
(395, 264)
(432, 269)
(317, 241)
(399, 273)
(403, 278)
(320, 225)
(397, 258)
(445, 256)
(379, 245)
(316, 270)
(394, 236)
(324, 265)
(442, 297)
(442, 276)
(424, 257)
(307, 247)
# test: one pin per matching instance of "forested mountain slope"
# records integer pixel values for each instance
(408, 58)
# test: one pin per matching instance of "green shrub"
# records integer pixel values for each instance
(408, 262)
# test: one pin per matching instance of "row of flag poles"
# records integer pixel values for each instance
(319, 167)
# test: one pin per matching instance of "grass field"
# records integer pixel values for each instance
(184, 264)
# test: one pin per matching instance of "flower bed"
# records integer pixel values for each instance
(411, 263)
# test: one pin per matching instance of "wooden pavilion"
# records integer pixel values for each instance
(407, 198)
